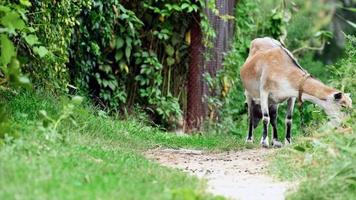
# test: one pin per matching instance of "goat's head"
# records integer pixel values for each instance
(333, 106)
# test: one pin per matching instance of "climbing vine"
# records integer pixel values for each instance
(126, 53)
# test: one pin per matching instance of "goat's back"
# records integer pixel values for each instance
(263, 44)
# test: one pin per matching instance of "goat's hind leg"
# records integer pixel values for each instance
(273, 113)
(255, 116)
(249, 138)
(290, 108)
(265, 117)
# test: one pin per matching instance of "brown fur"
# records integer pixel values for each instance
(276, 65)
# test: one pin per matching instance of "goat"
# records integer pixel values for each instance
(270, 76)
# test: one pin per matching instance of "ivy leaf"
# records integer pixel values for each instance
(111, 85)
(123, 66)
(169, 50)
(24, 80)
(4, 9)
(7, 50)
(41, 51)
(170, 61)
(13, 20)
(26, 3)
(184, 6)
(119, 43)
(31, 39)
(128, 53)
(118, 55)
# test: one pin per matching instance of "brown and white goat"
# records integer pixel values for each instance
(271, 75)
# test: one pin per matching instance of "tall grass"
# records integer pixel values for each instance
(89, 155)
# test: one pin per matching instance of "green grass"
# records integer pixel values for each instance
(98, 157)
(324, 164)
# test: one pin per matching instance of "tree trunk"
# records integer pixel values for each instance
(224, 30)
(197, 108)
(195, 84)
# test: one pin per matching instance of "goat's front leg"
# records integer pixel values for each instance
(290, 108)
(265, 117)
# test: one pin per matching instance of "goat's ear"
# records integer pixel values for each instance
(337, 96)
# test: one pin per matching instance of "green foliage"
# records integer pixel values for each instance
(278, 20)
(344, 71)
(102, 50)
(49, 126)
(52, 24)
(149, 78)
(312, 35)
(13, 25)
(123, 67)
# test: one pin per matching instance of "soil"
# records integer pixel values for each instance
(232, 174)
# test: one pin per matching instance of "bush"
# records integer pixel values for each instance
(53, 23)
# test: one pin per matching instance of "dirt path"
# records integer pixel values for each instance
(236, 175)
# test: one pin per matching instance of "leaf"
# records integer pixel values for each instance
(13, 20)
(128, 41)
(170, 61)
(128, 53)
(77, 100)
(350, 9)
(169, 50)
(24, 80)
(351, 23)
(7, 50)
(299, 148)
(4, 9)
(26, 3)
(31, 39)
(126, 68)
(188, 38)
(184, 5)
(41, 51)
(123, 66)
(118, 55)
(119, 43)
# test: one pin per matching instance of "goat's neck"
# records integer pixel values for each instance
(316, 92)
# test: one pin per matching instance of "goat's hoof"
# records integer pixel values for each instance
(249, 140)
(288, 141)
(264, 143)
(276, 144)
